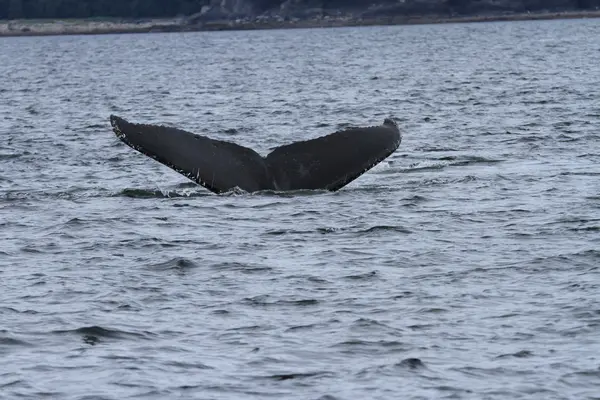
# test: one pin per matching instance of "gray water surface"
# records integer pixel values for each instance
(464, 266)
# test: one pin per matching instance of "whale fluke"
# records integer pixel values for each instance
(329, 162)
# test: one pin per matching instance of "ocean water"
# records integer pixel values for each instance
(464, 266)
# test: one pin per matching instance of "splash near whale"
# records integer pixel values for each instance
(327, 163)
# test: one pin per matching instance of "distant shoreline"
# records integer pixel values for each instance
(98, 26)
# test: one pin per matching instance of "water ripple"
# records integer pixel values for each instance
(464, 266)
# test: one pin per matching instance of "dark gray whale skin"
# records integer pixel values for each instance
(329, 162)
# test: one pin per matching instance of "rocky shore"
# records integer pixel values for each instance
(194, 24)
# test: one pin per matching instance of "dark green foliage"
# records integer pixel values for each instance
(458, 6)
(585, 4)
(15, 9)
(12, 9)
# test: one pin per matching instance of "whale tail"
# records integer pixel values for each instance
(329, 162)
(217, 165)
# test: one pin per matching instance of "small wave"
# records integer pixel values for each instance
(369, 323)
(317, 279)
(14, 310)
(422, 327)
(280, 232)
(327, 230)
(588, 155)
(411, 363)
(158, 194)
(301, 375)
(187, 185)
(595, 373)
(245, 268)
(593, 228)
(178, 263)
(486, 373)
(519, 354)
(435, 149)
(9, 341)
(188, 366)
(531, 124)
(433, 310)
(269, 205)
(587, 173)
(10, 156)
(301, 328)
(421, 168)
(236, 191)
(584, 258)
(141, 193)
(12, 383)
(97, 331)
(75, 222)
(281, 112)
(384, 345)
(31, 250)
(74, 193)
(449, 161)
(322, 231)
(32, 110)
(264, 301)
(370, 189)
(386, 228)
(250, 328)
(473, 160)
(300, 303)
(94, 334)
(525, 139)
(416, 199)
(344, 125)
(291, 193)
(95, 126)
(365, 276)
(564, 138)
(231, 131)
(582, 379)
(490, 133)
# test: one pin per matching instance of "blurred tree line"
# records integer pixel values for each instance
(17, 9)
(14, 9)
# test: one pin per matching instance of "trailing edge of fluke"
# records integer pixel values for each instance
(328, 162)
